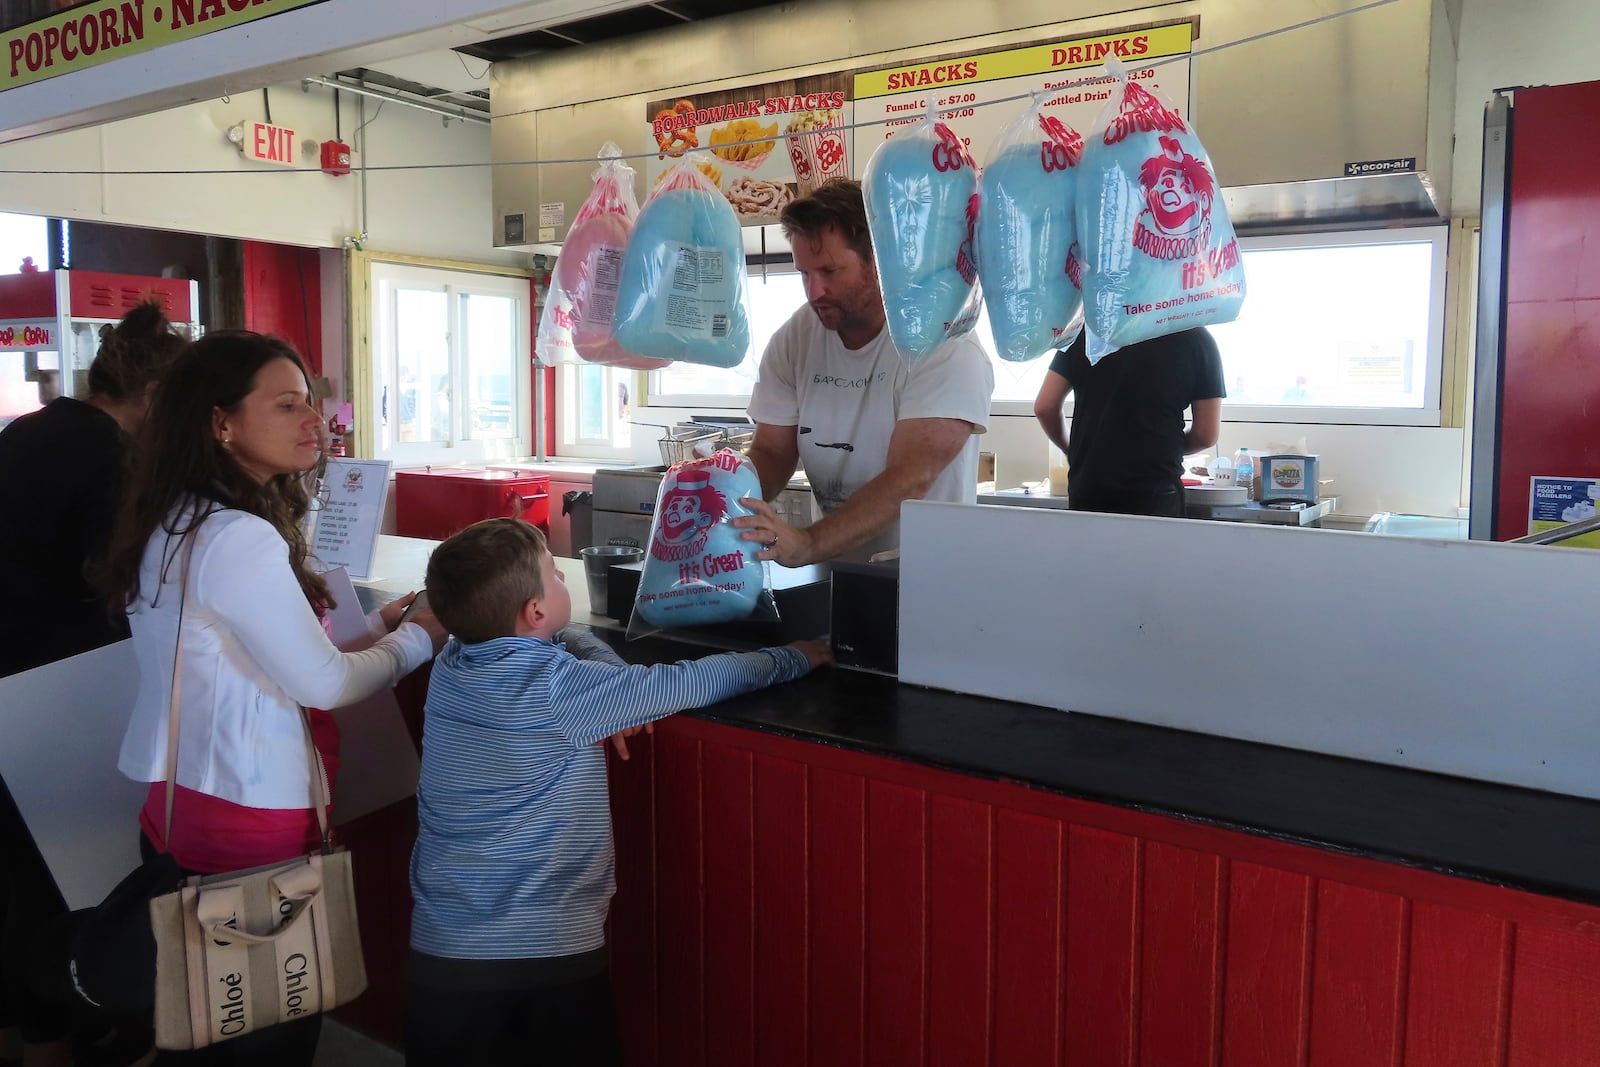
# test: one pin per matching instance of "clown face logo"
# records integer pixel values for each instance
(352, 480)
(688, 510)
(1178, 193)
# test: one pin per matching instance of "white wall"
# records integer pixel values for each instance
(434, 212)
(1399, 650)
(1508, 43)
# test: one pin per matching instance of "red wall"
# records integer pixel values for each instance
(283, 296)
(783, 903)
(1551, 381)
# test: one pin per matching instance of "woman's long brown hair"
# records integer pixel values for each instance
(179, 459)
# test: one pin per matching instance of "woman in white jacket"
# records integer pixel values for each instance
(211, 530)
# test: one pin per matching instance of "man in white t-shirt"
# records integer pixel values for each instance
(872, 428)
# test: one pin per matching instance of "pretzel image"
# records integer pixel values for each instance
(675, 142)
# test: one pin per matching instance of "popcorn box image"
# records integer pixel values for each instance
(817, 150)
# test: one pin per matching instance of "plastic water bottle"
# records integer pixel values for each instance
(1244, 470)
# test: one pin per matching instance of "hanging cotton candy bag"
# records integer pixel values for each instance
(683, 276)
(1159, 252)
(698, 568)
(921, 192)
(579, 308)
(1026, 228)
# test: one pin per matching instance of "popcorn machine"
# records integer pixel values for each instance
(50, 323)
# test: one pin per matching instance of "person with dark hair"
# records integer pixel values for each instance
(209, 551)
(62, 469)
(61, 473)
(872, 428)
(512, 873)
(1125, 454)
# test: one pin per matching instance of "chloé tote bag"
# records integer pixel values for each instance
(245, 950)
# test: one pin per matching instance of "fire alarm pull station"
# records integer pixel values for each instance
(335, 157)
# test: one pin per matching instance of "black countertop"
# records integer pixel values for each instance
(1541, 842)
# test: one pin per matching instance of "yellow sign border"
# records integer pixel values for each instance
(156, 21)
(1172, 39)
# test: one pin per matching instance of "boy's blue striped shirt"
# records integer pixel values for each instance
(513, 856)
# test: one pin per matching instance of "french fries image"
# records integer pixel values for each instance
(712, 172)
(729, 142)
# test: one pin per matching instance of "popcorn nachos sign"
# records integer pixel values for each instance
(88, 34)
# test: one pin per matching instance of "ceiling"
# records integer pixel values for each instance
(459, 77)
(641, 18)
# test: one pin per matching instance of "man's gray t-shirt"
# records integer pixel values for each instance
(846, 403)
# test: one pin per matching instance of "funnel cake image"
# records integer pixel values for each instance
(817, 150)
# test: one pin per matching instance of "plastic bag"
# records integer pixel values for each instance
(921, 192)
(1025, 231)
(581, 304)
(683, 276)
(698, 568)
(1159, 251)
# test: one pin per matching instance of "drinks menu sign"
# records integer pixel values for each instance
(345, 528)
(973, 92)
(766, 144)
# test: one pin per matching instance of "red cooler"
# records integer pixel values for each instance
(435, 502)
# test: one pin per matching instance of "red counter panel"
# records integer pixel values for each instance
(810, 905)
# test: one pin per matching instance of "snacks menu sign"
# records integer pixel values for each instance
(761, 145)
(88, 34)
(768, 143)
(966, 88)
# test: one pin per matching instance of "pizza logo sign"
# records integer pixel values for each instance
(1178, 192)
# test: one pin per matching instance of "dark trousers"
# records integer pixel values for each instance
(28, 898)
(571, 1024)
(284, 1045)
(1165, 502)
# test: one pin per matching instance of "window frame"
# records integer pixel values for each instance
(1436, 234)
(1430, 414)
(455, 283)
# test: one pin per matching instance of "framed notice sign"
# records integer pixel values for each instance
(1554, 502)
(344, 529)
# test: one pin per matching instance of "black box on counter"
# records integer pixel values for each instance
(866, 616)
(802, 594)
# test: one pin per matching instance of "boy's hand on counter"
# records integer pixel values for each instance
(818, 653)
(619, 739)
(391, 612)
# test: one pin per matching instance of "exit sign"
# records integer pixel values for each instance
(268, 144)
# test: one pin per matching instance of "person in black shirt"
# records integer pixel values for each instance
(1128, 438)
(61, 473)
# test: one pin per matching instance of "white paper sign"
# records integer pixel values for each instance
(345, 528)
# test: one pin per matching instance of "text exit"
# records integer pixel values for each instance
(268, 144)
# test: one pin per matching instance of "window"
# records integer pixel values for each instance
(1338, 328)
(450, 358)
(770, 301)
(596, 408)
